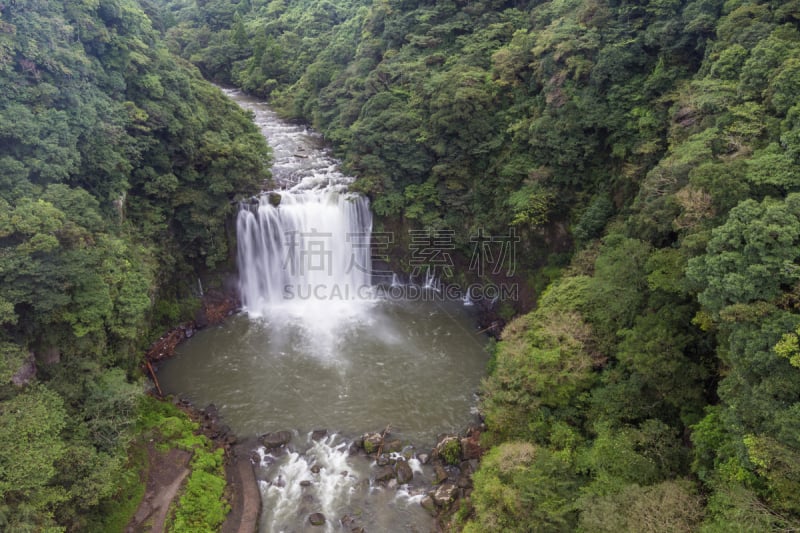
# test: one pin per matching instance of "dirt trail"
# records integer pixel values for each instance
(165, 476)
(245, 498)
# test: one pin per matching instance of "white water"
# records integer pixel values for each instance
(319, 350)
(312, 248)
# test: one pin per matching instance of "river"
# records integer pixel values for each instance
(320, 346)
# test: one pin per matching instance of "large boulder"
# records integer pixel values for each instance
(403, 472)
(276, 439)
(448, 450)
(316, 519)
(471, 447)
(428, 504)
(384, 473)
(372, 442)
(445, 494)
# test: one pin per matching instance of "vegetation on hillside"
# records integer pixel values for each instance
(656, 386)
(118, 165)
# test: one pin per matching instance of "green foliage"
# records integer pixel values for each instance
(521, 487)
(119, 167)
(451, 451)
(202, 505)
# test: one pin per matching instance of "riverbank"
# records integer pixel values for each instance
(167, 470)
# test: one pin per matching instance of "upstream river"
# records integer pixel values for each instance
(321, 343)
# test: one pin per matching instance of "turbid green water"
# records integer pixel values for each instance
(414, 365)
(307, 354)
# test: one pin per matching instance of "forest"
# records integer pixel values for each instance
(647, 152)
(118, 165)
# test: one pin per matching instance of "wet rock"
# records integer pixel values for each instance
(428, 504)
(393, 446)
(440, 473)
(445, 495)
(384, 473)
(355, 447)
(471, 447)
(211, 412)
(315, 469)
(448, 450)
(372, 442)
(382, 460)
(403, 472)
(276, 439)
(305, 483)
(189, 332)
(358, 530)
(255, 457)
(319, 434)
(274, 199)
(316, 519)
(464, 481)
(423, 458)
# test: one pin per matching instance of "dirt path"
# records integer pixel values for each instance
(165, 476)
(245, 497)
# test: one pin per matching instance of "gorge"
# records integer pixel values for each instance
(352, 361)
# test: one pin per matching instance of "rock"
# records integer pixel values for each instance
(372, 442)
(449, 450)
(316, 519)
(315, 469)
(305, 483)
(464, 481)
(274, 198)
(382, 460)
(403, 472)
(423, 458)
(440, 473)
(384, 473)
(319, 434)
(255, 457)
(471, 447)
(201, 318)
(445, 495)
(189, 333)
(276, 440)
(428, 504)
(393, 446)
(211, 412)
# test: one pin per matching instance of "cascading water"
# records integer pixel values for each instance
(313, 246)
(318, 348)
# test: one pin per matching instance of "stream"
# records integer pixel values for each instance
(321, 343)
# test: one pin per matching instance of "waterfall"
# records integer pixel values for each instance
(314, 245)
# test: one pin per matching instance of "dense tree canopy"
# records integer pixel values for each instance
(118, 164)
(656, 385)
